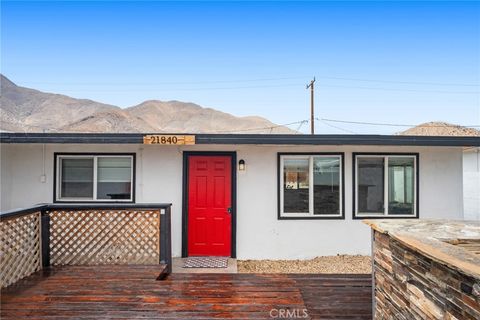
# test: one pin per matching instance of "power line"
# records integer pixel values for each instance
(301, 124)
(394, 124)
(264, 128)
(275, 86)
(187, 89)
(406, 82)
(167, 82)
(269, 85)
(226, 131)
(259, 79)
(332, 126)
(401, 90)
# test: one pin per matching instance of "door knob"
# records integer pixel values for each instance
(229, 210)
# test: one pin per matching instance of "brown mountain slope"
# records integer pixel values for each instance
(32, 110)
(28, 110)
(440, 129)
(175, 116)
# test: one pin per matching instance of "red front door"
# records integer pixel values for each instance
(209, 205)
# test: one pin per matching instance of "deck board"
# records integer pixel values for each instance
(131, 292)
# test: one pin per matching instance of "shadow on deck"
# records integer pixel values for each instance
(133, 292)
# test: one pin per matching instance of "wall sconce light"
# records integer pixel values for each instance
(241, 165)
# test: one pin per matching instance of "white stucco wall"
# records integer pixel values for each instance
(5, 177)
(259, 234)
(471, 183)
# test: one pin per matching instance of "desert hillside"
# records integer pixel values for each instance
(28, 110)
(440, 129)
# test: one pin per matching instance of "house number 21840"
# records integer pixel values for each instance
(163, 140)
(168, 139)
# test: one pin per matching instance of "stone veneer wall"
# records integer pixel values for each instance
(409, 285)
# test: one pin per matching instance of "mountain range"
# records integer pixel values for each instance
(29, 110)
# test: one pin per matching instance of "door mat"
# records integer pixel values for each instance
(205, 262)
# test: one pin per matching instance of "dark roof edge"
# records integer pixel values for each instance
(272, 139)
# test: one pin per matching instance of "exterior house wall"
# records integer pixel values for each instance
(471, 183)
(260, 235)
(5, 177)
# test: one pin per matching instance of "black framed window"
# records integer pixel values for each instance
(95, 177)
(385, 185)
(310, 186)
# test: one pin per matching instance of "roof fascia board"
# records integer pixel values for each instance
(234, 139)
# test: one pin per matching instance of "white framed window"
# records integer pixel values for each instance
(94, 177)
(310, 186)
(385, 185)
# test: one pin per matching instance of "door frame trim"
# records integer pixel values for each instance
(186, 157)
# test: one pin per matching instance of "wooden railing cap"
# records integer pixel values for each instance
(4, 215)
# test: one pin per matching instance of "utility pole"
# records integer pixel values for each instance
(312, 110)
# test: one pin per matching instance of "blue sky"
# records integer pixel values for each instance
(388, 62)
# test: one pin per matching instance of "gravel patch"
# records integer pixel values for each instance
(328, 264)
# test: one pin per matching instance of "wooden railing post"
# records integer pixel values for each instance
(169, 239)
(166, 238)
(45, 230)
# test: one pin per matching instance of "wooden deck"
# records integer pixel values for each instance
(130, 292)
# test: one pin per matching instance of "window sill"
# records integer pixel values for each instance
(383, 217)
(94, 201)
(325, 217)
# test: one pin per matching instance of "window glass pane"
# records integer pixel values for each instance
(326, 185)
(114, 177)
(295, 186)
(76, 178)
(400, 185)
(370, 185)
